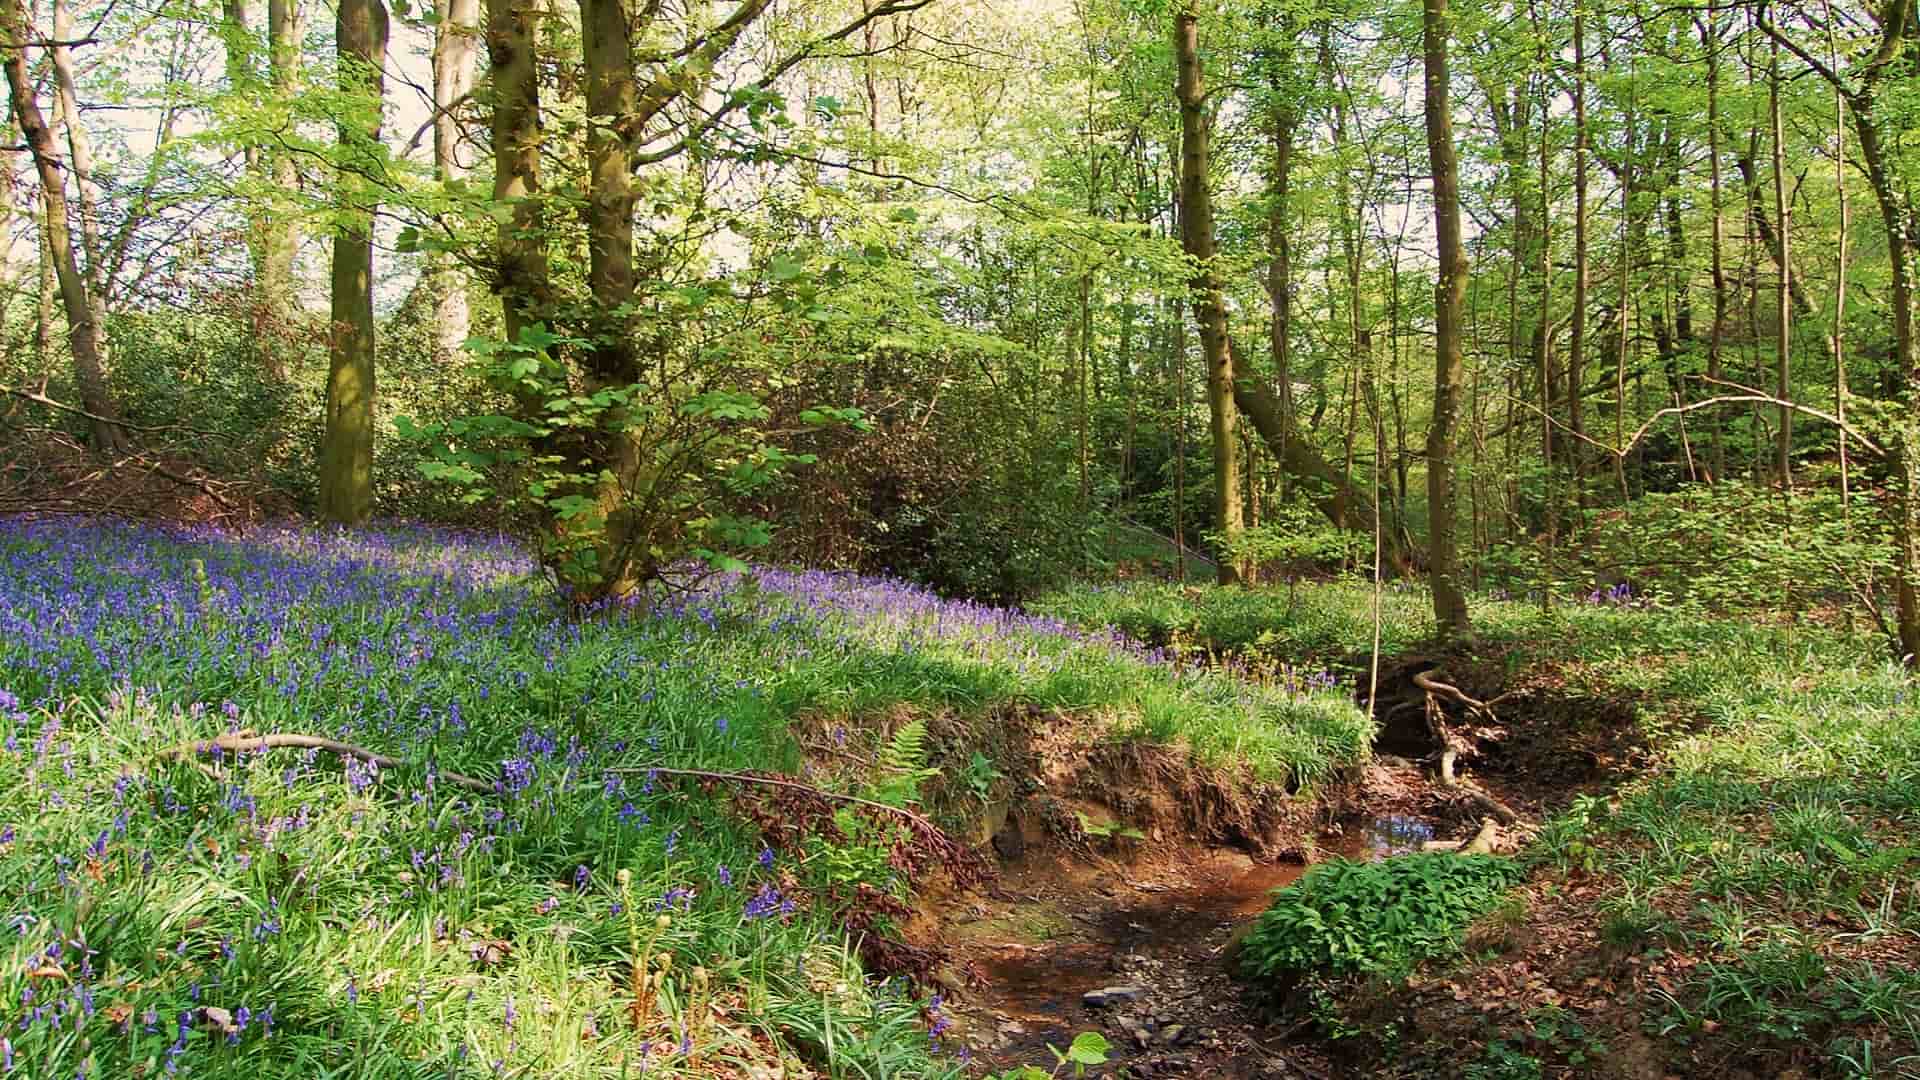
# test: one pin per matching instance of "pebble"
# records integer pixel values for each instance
(1112, 995)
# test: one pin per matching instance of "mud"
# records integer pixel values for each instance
(1061, 928)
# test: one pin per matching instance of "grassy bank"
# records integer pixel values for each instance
(285, 914)
(1749, 900)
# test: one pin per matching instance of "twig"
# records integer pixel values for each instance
(39, 398)
(243, 743)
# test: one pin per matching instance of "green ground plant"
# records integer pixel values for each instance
(1348, 918)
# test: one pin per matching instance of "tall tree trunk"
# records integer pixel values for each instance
(1743, 162)
(271, 236)
(1907, 445)
(1543, 330)
(66, 96)
(520, 258)
(1716, 371)
(1210, 314)
(1628, 220)
(84, 333)
(44, 297)
(611, 95)
(1783, 310)
(346, 450)
(1895, 215)
(280, 223)
(456, 46)
(1577, 340)
(1840, 274)
(1449, 597)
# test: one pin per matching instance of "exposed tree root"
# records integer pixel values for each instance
(1451, 745)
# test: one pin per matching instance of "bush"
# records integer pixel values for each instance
(1374, 918)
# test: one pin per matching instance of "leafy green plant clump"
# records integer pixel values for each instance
(1374, 918)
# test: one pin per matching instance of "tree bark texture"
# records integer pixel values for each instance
(1449, 597)
(1210, 315)
(346, 454)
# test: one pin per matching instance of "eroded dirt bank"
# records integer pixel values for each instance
(1125, 884)
(1138, 950)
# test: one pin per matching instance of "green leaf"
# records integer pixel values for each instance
(537, 337)
(1089, 1048)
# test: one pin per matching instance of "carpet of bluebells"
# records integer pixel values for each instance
(287, 915)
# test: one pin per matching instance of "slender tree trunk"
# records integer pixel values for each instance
(1449, 598)
(1210, 315)
(66, 95)
(1280, 255)
(1622, 341)
(84, 333)
(1763, 225)
(1717, 447)
(271, 239)
(1895, 214)
(1907, 448)
(346, 453)
(43, 307)
(1840, 273)
(1783, 309)
(280, 223)
(1577, 341)
(1177, 356)
(455, 54)
(1543, 332)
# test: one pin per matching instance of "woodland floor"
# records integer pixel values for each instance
(1154, 921)
(1550, 987)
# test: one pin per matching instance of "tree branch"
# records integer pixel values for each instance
(242, 743)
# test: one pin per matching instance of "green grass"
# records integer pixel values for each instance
(387, 924)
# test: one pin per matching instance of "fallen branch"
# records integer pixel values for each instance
(244, 743)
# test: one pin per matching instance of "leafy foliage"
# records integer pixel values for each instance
(1345, 917)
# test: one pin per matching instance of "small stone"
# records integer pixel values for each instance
(1174, 1034)
(1112, 995)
